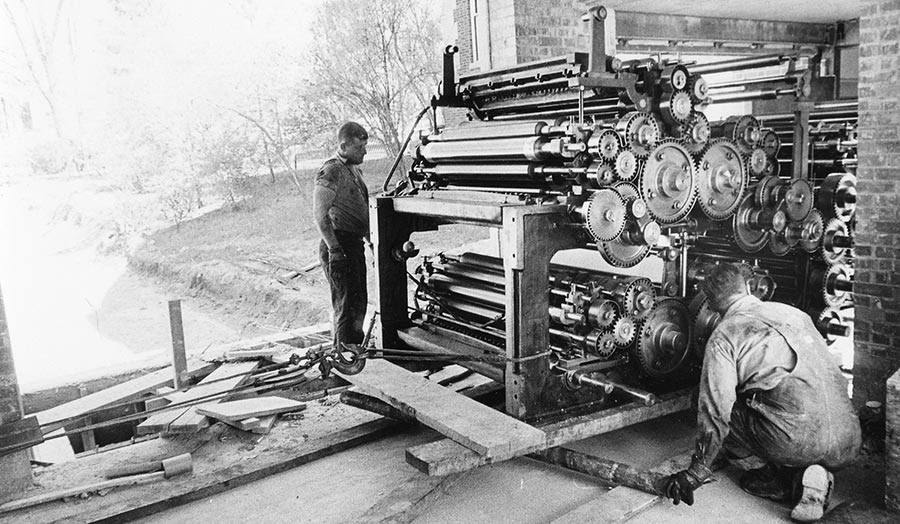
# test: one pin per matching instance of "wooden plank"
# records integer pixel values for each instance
(204, 484)
(287, 337)
(185, 419)
(445, 456)
(265, 425)
(449, 374)
(482, 429)
(53, 418)
(250, 407)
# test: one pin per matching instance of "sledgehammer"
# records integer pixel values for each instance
(170, 467)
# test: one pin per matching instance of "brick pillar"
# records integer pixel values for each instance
(15, 468)
(877, 280)
(892, 445)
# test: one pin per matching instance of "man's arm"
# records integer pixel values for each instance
(718, 393)
(323, 198)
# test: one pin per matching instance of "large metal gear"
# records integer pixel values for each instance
(624, 331)
(721, 179)
(664, 342)
(622, 252)
(812, 230)
(667, 184)
(605, 145)
(836, 196)
(627, 165)
(836, 241)
(604, 214)
(639, 297)
(641, 132)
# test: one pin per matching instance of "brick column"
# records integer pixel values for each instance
(877, 280)
(15, 468)
(892, 445)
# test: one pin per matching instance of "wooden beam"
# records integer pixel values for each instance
(54, 418)
(484, 430)
(186, 419)
(652, 26)
(444, 457)
(250, 407)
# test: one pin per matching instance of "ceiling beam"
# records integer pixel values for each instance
(676, 28)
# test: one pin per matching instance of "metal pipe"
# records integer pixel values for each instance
(787, 79)
(600, 381)
(738, 64)
(744, 96)
(482, 131)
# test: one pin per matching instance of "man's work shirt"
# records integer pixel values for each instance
(350, 210)
(755, 347)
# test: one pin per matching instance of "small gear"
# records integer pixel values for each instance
(837, 285)
(600, 174)
(721, 179)
(641, 132)
(694, 133)
(756, 161)
(779, 244)
(639, 297)
(667, 184)
(605, 145)
(743, 129)
(674, 77)
(773, 167)
(765, 193)
(830, 324)
(798, 199)
(627, 165)
(770, 142)
(748, 238)
(604, 214)
(600, 343)
(813, 229)
(836, 197)
(676, 108)
(624, 330)
(619, 253)
(698, 88)
(601, 313)
(664, 341)
(836, 241)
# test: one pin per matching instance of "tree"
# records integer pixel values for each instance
(379, 63)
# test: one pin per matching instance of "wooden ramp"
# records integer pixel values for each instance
(486, 431)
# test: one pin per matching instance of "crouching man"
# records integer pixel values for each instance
(769, 389)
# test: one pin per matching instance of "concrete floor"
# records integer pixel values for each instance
(369, 482)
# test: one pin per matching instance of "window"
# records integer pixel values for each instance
(480, 28)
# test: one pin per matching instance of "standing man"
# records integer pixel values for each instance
(341, 210)
(769, 388)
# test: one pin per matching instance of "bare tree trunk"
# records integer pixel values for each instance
(265, 131)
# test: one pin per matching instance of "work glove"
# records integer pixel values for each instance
(680, 487)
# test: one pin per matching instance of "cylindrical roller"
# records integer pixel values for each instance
(473, 273)
(528, 148)
(447, 285)
(738, 64)
(483, 131)
(501, 171)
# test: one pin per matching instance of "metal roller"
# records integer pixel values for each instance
(738, 64)
(528, 148)
(490, 130)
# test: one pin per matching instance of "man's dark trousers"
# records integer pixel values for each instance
(347, 279)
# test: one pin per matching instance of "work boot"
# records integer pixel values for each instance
(766, 482)
(817, 484)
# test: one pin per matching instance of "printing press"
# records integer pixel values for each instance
(616, 158)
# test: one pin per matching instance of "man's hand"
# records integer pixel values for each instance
(680, 487)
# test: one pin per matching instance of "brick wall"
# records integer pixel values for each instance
(15, 467)
(547, 29)
(877, 286)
